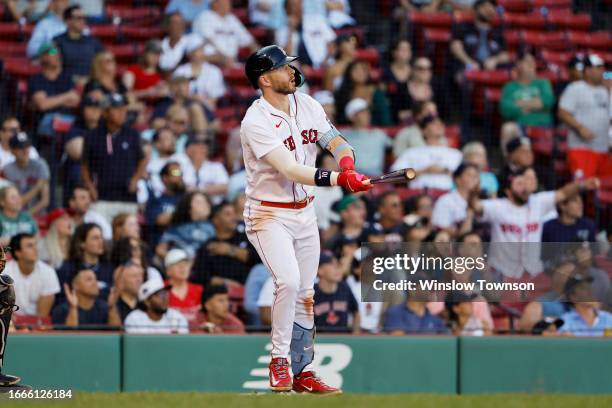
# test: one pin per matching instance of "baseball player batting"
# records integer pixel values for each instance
(279, 134)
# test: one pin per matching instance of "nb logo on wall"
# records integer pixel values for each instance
(329, 361)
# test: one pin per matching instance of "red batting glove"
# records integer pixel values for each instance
(353, 182)
(347, 163)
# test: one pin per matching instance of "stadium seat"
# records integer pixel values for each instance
(562, 20)
(242, 14)
(600, 40)
(105, 32)
(140, 15)
(260, 34)
(540, 39)
(424, 19)
(20, 67)
(542, 140)
(559, 58)
(552, 76)
(513, 39)
(141, 33)
(515, 6)
(488, 78)
(10, 31)
(125, 53)
(235, 76)
(314, 76)
(12, 49)
(463, 17)
(533, 21)
(552, 4)
(453, 135)
(436, 35)
(369, 54)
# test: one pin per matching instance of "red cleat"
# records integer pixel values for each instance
(280, 379)
(309, 382)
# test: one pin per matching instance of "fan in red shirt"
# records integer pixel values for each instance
(144, 79)
(184, 296)
(215, 316)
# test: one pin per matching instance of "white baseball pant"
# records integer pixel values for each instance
(288, 243)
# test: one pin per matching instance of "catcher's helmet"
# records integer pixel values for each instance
(269, 58)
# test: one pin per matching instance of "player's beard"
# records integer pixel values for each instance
(286, 89)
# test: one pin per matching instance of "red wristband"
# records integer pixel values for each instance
(347, 163)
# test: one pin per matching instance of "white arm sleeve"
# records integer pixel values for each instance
(284, 162)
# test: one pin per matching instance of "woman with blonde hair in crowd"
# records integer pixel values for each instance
(125, 226)
(53, 249)
(103, 81)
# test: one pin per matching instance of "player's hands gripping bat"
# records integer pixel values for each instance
(398, 176)
(353, 182)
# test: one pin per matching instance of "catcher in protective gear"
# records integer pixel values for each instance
(7, 306)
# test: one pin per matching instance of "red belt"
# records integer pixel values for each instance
(296, 205)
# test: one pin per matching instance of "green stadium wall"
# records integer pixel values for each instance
(443, 365)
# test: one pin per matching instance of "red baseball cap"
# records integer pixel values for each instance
(55, 214)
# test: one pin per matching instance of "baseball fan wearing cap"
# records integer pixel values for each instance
(113, 160)
(153, 314)
(279, 135)
(586, 317)
(585, 108)
(30, 176)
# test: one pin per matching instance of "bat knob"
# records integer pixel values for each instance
(411, 174)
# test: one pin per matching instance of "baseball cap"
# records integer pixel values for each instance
(89, 100)
(574, 281)
(355, 106)
(115, 100)
(151, 287)
(545, 323)
(455, 297)
(324, 97)
(593, 60)
(19, 141)
(175, 255)
(577, 62)
(48, 49)
(153, 46)
(345, 202)
(516, 143)
(325, 257)
(55, 214)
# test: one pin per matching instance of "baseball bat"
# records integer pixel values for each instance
(397, 176)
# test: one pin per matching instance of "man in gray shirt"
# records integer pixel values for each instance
(30, 176)
(585, 108)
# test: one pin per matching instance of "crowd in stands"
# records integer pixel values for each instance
(122, 182)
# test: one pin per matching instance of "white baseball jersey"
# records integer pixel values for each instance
(511, 224)
(264, 128)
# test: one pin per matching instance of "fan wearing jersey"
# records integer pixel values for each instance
(518, 218)
(279, 136)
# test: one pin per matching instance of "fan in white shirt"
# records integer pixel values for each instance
(206, 80)
(201, 174)
(79, 205)
(450, 211)
(519, 218)
(369, 312)
(36, 283)
(155, 317)
(433, 162)
(223, 33)
(173, 46)
(316, 35)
